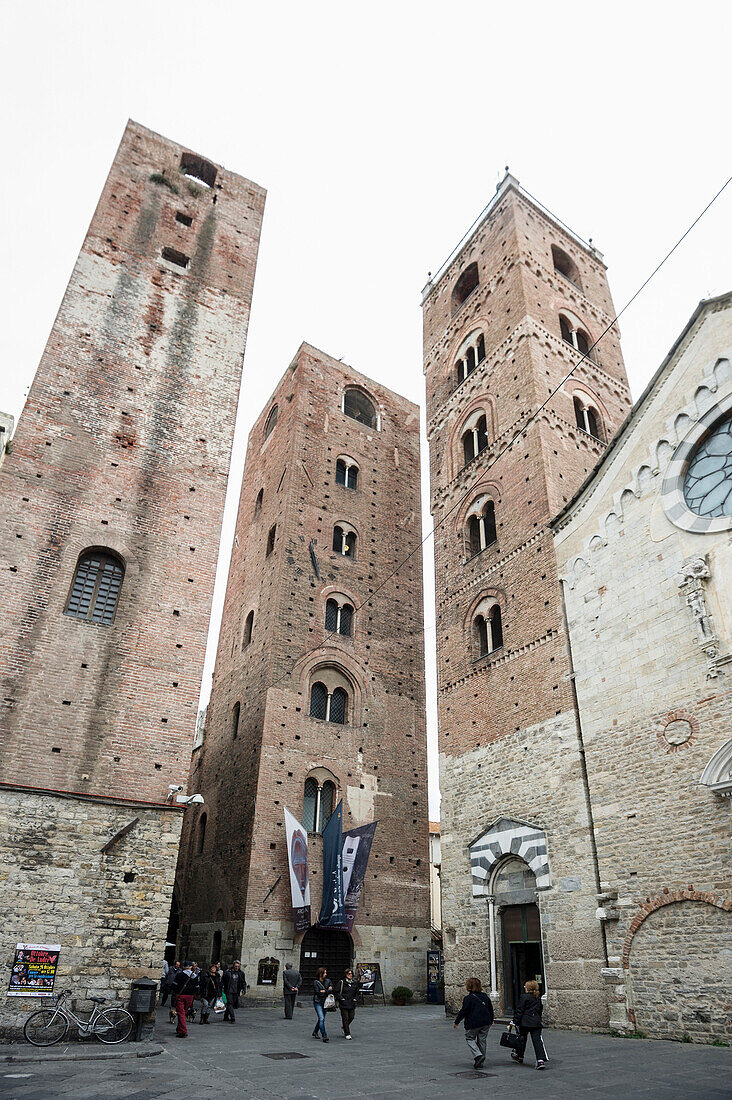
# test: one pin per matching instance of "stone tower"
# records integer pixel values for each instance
(112, 499)
(505, 320)
(318, 693)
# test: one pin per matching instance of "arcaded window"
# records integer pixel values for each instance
(329, 697)
(248, 630)
(465, 286)
(347, 473)
(360, 407)
(470, 355)
(271, 422)
(488, 629)
(271, 539)
(258, 502)
(318, 801)
(481, 529)
(566, 266)
(587, 417)
(338, 616)
(235, 713)
(475, 437)
(201, 833)
(574, 335)
(344, 540)
(96, 587)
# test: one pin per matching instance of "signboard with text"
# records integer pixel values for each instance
(33, 972)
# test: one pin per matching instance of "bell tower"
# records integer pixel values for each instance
(516, 307)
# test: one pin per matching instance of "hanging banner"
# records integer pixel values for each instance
(33, 972)
(356, 850)
(333, 909)
(297, 855)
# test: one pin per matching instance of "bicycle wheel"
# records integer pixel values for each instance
(114, 1025)
(45, 1027)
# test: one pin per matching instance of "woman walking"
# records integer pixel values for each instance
(477, 1012)
(209, 990)
(527, 1018)
(346, 992)
(322, 986)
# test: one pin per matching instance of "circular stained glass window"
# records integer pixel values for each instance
(708, 480)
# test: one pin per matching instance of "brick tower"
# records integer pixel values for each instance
(505, 320)
(112, 498)
(330, 503)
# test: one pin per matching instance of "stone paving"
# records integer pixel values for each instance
(403, 1052)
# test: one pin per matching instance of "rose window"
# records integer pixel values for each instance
(708, 480)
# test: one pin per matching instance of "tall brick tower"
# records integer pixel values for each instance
(112, 499)
(505, 319)
(317, 693)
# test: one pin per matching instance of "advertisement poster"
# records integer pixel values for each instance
(356, 850)
(297, 855)
(369, 976)
(333, 908)
(33, 971)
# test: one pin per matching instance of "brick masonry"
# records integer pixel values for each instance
(124, 444)
(509, 743)
(239, 885)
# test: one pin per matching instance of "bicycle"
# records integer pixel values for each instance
(50, 1025)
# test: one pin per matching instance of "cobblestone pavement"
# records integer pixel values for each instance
(402, 1052)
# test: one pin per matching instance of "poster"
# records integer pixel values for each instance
(369, 976)
(34, 970)
(297, 857)
(333, 908)
(356, 850)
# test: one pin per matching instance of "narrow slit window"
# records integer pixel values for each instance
(173, 256)
(184, 219)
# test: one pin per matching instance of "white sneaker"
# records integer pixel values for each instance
(349, 1036)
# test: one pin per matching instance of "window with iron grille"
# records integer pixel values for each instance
(338, 617)
(331, 616)
(338, 704)
(95, 591)
(318, 700)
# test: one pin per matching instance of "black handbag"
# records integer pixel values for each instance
(511, 1038)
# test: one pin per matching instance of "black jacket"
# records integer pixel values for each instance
(291, 980)
(346, 993)
(209, 987)
(185, 983)
(322, 989)
(234, 984)
(528, 1011)
(477, 1011)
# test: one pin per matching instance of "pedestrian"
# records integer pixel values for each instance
(322, 988)
(477, 1012)
(209, 990)
(346, 993)
(166, 987)
(184, 987)
(291, 982)
(234, 985)
(527, 1018)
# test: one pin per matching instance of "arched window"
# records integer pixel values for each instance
(248, 629)
(574, 335)
(360, 407)
(347, 473)
(318, 803)
(258, 502)
(482, 529)
(201, 833)
(566, 266)
(465, 286)
(487, 628)
(470, 355)
(96, 587)
(338, 617)
(587, 418)
(271, 422)
(329, 697)
(271, 539)
(344, 540)
(475, 436)
(236, 711)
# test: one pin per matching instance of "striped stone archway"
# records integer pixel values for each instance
(507, 837)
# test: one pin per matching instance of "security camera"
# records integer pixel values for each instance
(175, 787)
(190, 799)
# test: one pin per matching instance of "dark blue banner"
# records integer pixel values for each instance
(333, 907)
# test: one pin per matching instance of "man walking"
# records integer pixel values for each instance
(235, 984)
(291, 982)
(184, 987)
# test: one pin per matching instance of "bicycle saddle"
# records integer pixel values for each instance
(98, 1000)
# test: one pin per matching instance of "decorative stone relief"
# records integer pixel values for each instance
(690, 579)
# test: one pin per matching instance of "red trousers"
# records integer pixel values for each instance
(182, 1003)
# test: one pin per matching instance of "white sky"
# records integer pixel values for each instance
(380, 132)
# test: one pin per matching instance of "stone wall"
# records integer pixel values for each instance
(58, 886)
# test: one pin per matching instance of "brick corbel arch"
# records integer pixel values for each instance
(670, 897)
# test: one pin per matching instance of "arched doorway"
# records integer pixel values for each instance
(172, 935)
(326, 947)
(514, 889)
(216, 948)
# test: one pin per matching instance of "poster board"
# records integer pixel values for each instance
(33, 973)
(368, 975)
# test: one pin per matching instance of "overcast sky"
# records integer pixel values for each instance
(380, 131)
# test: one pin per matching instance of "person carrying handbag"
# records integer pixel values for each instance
(477, 1012)
(322, 990)
(184, 987)
(346, 993)
(209, 990)
(527, 1018)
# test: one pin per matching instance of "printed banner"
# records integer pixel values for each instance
(333, 909)
(356, 850)
(297, 855)
(33, 973)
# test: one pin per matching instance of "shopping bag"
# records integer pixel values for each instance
(329, 1003)
(511, 1038)
(219, 1004)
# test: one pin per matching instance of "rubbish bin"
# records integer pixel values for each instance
(143, 997)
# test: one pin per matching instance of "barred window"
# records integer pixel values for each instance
(318, 700)
(338, 617)
(318, 801)
(328, 706)
(96, 588)
(360, 407)
(338, 705)
(331, 616)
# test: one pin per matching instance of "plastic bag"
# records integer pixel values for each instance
(219, 1004)
(329, 1003)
